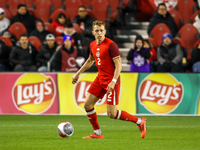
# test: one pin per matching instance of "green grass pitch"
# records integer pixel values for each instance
(39, 132)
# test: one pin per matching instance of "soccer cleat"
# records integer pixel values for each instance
(142, 127)
(93, 136)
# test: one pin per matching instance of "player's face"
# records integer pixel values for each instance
(99, 32)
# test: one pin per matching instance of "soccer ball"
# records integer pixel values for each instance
(65, 129)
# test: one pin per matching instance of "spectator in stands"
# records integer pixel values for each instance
(67, 58)
(169, 55)
(195, 60)
(58, 24)
(45, 53)
(40, 31)
(23, 56)
(25, 18)
(162, 16)
(152, 59)
(8, 35)
(138, 56)
(76, 38)
(197, 22)
(85, 23)
(4, 22)
(4, 56)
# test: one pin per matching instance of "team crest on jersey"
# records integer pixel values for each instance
(97, 54)
(98, 49)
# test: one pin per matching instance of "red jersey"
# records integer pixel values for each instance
(59, 28)
(104, 54)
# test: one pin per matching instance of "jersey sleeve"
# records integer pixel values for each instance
(114, 51)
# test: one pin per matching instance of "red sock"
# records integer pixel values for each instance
(92, 116)
(122, 115)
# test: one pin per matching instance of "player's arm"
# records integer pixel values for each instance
(118, 68)
(85, 67)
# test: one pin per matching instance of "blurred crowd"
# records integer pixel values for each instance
(63, 50)
(62, 44)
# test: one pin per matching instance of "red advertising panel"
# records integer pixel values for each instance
(32, 93)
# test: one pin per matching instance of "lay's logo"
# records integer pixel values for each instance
(34, 93)
(160, 93)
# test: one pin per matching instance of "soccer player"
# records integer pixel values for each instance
(106, 54)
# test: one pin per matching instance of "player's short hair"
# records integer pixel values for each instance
(99, 23)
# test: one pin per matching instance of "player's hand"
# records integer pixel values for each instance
(110, 87)
(75, 78)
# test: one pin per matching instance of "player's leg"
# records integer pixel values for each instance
(95, 92)
(112, 101)
(92, 116)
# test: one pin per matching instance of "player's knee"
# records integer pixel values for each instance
(111, 115)
(87, 106)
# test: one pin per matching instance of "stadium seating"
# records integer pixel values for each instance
(29, 3)
(114, 5)
(8, 13)
(77, 28)
(12, 5)
(17, 29)
(152, 41)
(86, 3)
(59, 40)
(158, 31)
(71, 7)
(146, 10)
(100, 9)
(125, 3)
(189, 34)
(197, 43)
(57, 4)
(186, 8)
(35, 42)
(6, 40)
(3, 3)
(177, 18)
(49, 27)
(55, 14)
(182, 45)
(34, 13)
(192, 18)
(44, 9)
